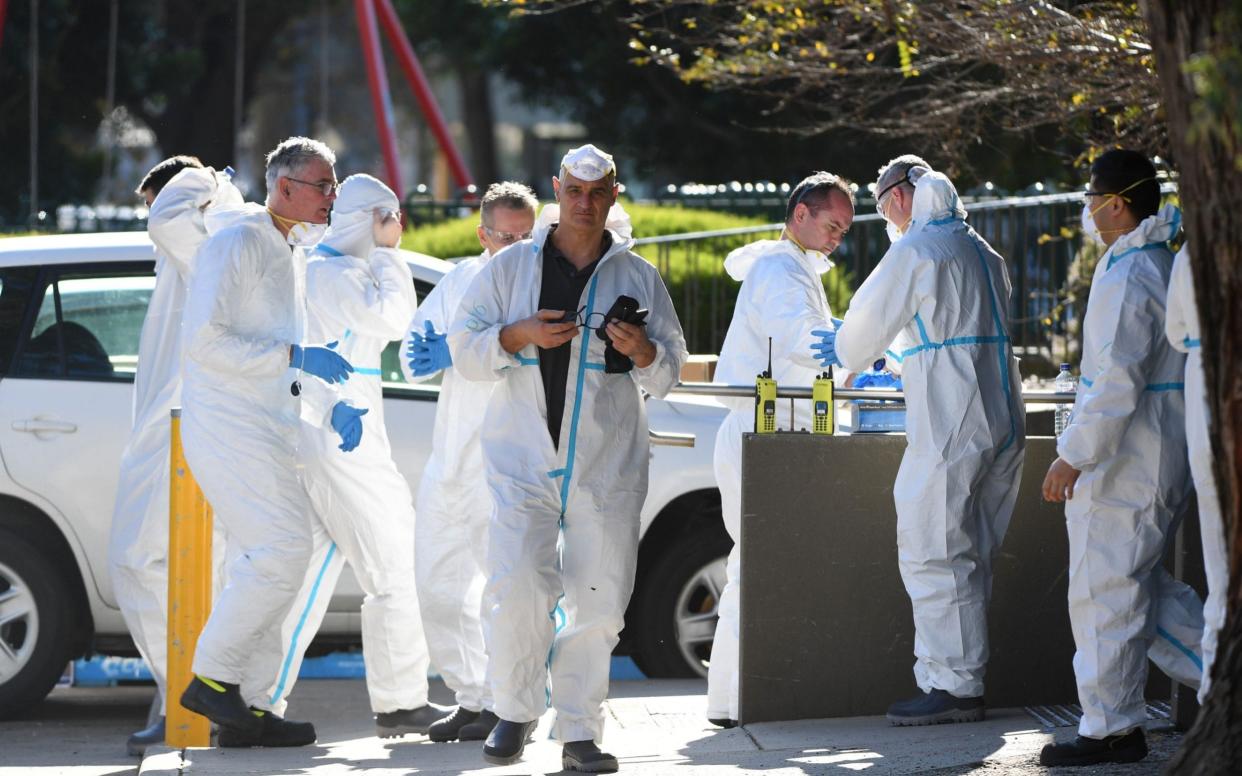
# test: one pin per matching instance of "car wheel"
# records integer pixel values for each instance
(679, 605)
(36, 614)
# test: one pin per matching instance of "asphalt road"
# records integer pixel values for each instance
(77, 731)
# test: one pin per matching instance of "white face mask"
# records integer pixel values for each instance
(894, 232)
(304, 234)
(1090, 232)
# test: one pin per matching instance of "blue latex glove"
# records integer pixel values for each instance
(428, 353)
(347, 421)
(873, 379)
(324, 363)
(826, 349)
(836, 323)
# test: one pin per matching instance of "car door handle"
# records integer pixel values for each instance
(671, 439)
(42, 427)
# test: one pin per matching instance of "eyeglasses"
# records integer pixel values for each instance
(592, 321)
(1088, 194)
(326, 188)
(506, 238)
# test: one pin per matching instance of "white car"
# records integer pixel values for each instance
(65, 414)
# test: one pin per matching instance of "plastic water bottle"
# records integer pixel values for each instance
(1066, 383)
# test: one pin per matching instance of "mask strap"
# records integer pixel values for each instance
(1120, 195)
(794, 240)
(287, 223)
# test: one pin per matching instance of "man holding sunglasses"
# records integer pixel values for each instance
(1122, 473)
(450, 534)
(565, 442)
(782, 301)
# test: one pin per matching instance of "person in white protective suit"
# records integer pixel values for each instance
(565, 441)
(1122, 471)
(940, 295)
(359, 295)
(182, 194)
(1181, 326)
(243, 325)
(782, 300)
(453, 503)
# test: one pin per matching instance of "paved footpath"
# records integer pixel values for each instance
(656, 727)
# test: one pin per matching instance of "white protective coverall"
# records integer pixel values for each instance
(944, 290)
(454, 507)
(239, 426)
(1181, 325)
(362, 505)
(138, 548)
(590, 488)
(1127, 437)
(782, 297)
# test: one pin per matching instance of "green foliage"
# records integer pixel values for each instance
(450, 239)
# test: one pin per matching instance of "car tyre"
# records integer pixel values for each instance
(36, 624)
(678, 603)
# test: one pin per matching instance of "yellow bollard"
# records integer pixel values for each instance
(189, 592)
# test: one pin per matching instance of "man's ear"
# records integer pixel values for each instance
(556, 188)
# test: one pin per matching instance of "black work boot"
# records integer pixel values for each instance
(276, 731)
(934, 708)
(1121, 748)
(723, 722)
(507, 740)
(449, 728)
(480, 729)
(221, 703)
(152, 735)
(585, 757)
(403, 722)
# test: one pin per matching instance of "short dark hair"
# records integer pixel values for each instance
(814, 190)
(1133, 176)
(162, 173)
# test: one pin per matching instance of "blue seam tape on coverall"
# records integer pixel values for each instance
(1185, 650)
(310, 602)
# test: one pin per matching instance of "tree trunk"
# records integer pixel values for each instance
(1211, 196)
(476, 104)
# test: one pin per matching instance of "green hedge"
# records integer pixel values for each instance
(702, 291)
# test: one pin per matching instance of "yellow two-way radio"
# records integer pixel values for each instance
(824, 420)
(765, 398)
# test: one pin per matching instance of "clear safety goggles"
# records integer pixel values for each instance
(506, 238)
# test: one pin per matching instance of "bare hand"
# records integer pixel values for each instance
(1060, 480)
(387, 228)
(630, 340)
(541, 329)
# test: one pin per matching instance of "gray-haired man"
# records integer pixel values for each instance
(243, 328)
(453, 509)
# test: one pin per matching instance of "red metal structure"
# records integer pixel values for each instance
(377, 78)
(381, 103)
(422, 91)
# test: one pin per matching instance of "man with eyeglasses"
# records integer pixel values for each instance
(781, 301)
(565, 443)
(244, 330)
(937, 304)
(1122, 472)
(453, 508)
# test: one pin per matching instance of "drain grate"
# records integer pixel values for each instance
(1067, 715)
